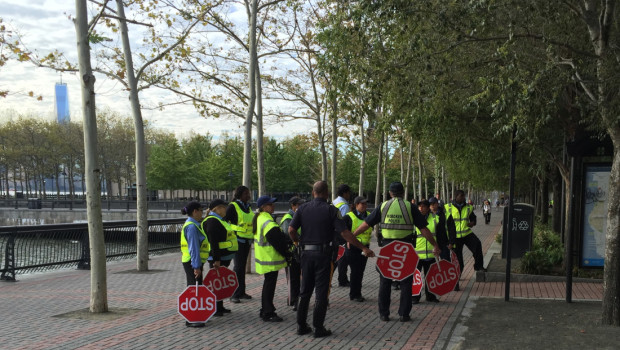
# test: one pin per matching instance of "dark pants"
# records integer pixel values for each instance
(189, 274)
(220, 303)
(241, 259)
(342, 265)
(269, 290)
(316, 270)
(424, 265)
(357, 261)
(487, 217)
(472, 242)
(293, 275)
(385, 293)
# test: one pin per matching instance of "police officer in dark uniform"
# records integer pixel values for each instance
(319, 223)
(397, 218)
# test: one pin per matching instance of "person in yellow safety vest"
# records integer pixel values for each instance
(464, 219)
(425, 249)
(342, 204)
(397, 219)
(271, 255)
(239, 214)
(357, 261)
(293, 271)
(223, 242)
(194, 247)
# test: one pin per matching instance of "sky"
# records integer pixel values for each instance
(45, 26)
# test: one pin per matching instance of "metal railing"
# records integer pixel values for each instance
(26, 249)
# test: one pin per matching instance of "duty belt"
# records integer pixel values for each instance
(316, 247)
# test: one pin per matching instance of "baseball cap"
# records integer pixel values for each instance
(397, 187)
(216, 202)
(359, 199)
(296, 201)
(424, 202)
(262, 200)
(193, 205)
(433, 200)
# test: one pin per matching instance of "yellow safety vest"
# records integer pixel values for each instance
(266, 257)
(230, 243)
(363, 237)
(288, 216)
(243, 227)
(461, 219)
(396, 220)
(422, 247)
(205, 248)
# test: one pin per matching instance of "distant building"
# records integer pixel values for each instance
(62, 103)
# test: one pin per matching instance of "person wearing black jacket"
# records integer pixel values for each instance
(222, 239)
(239, 214)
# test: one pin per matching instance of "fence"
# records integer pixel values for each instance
(25, 249)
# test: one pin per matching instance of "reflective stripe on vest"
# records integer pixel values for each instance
(243, 226)
(205, 248)
(363, 237)
(266, 257)
(230, 243)
(461, 219)
(396, 221)
(422, 247)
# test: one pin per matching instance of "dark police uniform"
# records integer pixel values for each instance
(357, 261)
(319, 222)
(384, 283)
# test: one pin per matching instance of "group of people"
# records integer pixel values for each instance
(306, 240)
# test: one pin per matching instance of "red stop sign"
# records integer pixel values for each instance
(442, 277)
(340, 252)
(397, 260)
(222, 282)
(418, 283)
(197, 304)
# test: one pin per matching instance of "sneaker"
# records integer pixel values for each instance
(304, 329)
(218, 314)
(245, 296)
(235, 300)
(433, 300)
(384, 318)
(225, 310)
(359, 299)
(405, 318)
(322, 332)
(344, 284)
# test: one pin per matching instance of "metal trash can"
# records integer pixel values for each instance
(521, 230)
(34, 203)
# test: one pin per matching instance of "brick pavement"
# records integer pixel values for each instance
(30, 307)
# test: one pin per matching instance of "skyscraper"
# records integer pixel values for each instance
(62, 103)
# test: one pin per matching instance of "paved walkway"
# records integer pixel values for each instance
(43, 311)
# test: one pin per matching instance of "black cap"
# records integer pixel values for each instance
(216, 202)
(296, 201)
(191, 206)
(359, 199)
(397, 187)
(433, 200)
(424, 202)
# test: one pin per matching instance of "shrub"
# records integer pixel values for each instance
(547, 252)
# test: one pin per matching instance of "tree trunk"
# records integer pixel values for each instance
(260, 154)
(419, 170)
(247, 144)
(611, 282)
(362, 158)
(379, 163)
(402, 163)
(334, 149)
(408, 168)
(384, 176)
(142, 238)
(98, 279)
(544, 199)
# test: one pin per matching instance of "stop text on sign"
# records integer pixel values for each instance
(223, 283)
(397, 261)
(197, 304)
(442, 277)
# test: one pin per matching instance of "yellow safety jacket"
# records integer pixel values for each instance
(230, 243)
(288, 216)
(266, 257)
(205, 248)
(363, 237)
(422, 247)
(243, 227)
(461, 218)
(396, 220)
